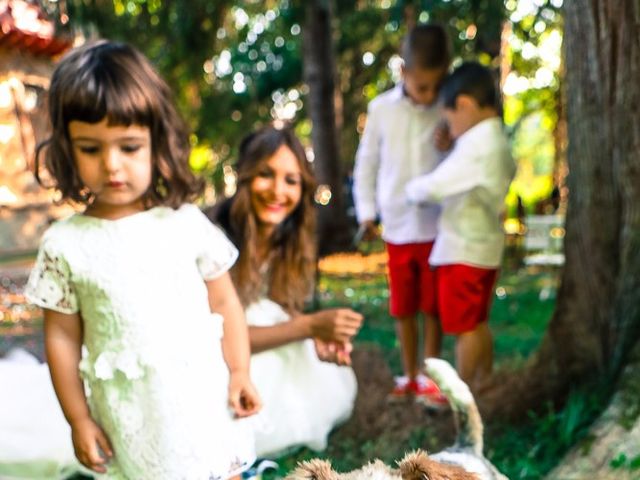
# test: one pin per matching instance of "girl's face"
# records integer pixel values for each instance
(277, 188)
(114, 163)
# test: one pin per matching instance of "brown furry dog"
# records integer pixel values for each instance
(462, 461)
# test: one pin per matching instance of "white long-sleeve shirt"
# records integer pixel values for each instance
(396, 146)
(470, 184)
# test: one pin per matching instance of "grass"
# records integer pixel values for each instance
(522, 307)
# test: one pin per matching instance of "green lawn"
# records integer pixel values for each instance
(522, 307)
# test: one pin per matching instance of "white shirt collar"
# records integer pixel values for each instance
(481, 131)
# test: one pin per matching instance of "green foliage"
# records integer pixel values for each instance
(622, 462)
(518, 319)
(531, 450)
(232, 64)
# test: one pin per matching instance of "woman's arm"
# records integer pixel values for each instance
(63, 340)
(332, 325)
(224, 300)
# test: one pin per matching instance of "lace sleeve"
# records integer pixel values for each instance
(216, 253)
(49, 284)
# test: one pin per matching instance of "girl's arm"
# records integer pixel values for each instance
(63, 340)
(235, 344)
(332, 325)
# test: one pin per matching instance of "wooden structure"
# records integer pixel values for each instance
(28, 48)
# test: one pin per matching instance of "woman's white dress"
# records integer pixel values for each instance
(304, 398)
(154, 373)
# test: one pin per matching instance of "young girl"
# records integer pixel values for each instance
(135, 288)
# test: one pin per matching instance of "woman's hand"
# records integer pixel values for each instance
(332, 352)
(243, 396)
(88, 439)
(338, 325)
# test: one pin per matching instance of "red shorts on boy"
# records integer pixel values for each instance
(412, 281)
(464, 296)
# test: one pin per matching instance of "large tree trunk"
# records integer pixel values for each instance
(611, 449)
(596, 321)
(319, 74)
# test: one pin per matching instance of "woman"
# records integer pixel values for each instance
(296, 357)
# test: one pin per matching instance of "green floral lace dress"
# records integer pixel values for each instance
(152, 363)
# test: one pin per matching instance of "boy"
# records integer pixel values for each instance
(470, 184)
(398, 144)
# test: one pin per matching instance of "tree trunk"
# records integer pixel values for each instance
(596, 321)
(319, 74)
(611, 449)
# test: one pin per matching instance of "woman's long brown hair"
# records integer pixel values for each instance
(293, 243)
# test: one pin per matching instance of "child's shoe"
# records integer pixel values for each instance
(258, 468)
(428, 393)
(403, 388)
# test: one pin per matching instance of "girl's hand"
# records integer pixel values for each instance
(337, 325)
(88, 439)
(243, 396)
(333, 352)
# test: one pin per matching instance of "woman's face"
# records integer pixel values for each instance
(276, 190)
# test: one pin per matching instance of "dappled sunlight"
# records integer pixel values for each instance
(354, 264)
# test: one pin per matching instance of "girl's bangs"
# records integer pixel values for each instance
(116, 97)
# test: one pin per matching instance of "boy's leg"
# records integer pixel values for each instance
(474, 354)
(464, 298)
(403, 306)
(432, 336)
(407, 330)
(428, 301)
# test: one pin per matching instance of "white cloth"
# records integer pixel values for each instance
(304, 398)
(152, 362)
(470, 184)
(396, 146)
(35, 439)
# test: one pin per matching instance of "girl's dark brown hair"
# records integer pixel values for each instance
(293, 243)
(114, 81)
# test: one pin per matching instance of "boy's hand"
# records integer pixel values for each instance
(370, 231)
(243, 396)
(88, 439)
(442, 138)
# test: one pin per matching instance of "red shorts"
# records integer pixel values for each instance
(464, 296)
(412, 281)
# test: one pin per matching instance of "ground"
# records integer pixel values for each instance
(521, 309)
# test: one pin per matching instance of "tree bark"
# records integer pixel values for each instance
(611, 449)
(319, 74)
(597, 320)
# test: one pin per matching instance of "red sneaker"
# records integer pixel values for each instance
(428, 393)
(402, 389)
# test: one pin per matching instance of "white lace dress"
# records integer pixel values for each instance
(303, 397)
(152, 362)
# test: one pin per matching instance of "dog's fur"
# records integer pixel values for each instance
(462, 461)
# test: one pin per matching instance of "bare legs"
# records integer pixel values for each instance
(407, 330)
(474, 354)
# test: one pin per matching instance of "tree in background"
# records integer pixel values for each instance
(320, 75)
(597, 319)
(234, 65)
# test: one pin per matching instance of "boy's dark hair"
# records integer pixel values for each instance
(115, 81)
(426, 46)
(473, 79)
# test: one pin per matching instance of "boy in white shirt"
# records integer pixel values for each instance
(470, 184)
(398, 144)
